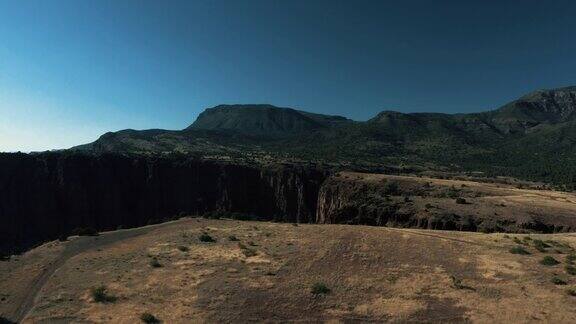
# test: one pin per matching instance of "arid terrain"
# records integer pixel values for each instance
(261, 271)
(432, 203)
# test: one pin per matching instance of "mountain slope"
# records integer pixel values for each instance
(522, 138)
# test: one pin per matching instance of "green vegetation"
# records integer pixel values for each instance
(457, 283)
(461, 201)
(549, 261)
(570, 269)
(391, 188)
(519, 250)
(233, 238)
(183, 248)
(154, 263)
(248, 252)
(206, 238)
(100, 295)
(320, 289)
(558, 281)
(149, 318)
(540, 245)
(571, 292)
(509, 141)
(571, 258)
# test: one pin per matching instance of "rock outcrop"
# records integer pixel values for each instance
(396, 201)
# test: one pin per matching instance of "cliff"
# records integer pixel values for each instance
(48, 195)
(404, 201)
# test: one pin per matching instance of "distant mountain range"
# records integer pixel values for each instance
(533, 137)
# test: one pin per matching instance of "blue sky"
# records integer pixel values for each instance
(72, 70)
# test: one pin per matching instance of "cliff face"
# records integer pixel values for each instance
(47, 195)
(396, 201)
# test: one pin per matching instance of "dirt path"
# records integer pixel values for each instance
(73, 248)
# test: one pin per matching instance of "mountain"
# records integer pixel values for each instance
(263, 120)
(532, 137)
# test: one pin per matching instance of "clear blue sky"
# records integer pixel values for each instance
(72, 70)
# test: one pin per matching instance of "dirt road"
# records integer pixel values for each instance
(73, 248)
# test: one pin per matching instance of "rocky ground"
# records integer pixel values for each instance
(432, 203)
(260, 271)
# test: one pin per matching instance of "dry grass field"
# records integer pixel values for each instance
(256, 271)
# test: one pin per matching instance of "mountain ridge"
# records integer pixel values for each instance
(500, 141)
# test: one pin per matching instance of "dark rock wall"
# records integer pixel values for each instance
(47, 195)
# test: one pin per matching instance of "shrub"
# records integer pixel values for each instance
(155, 264)
(149, 318)
(519, 250)
(457, 282)
(461, 201)
(570, 258)
(570, 269)
(549, 261)
(183, 248)
(517, 241)
(540, 245)
(248, 252)
(390, 188)
(558, 281)
(206, 238)
(320, 289)
(571, 292)
(100, 295)
(233, 238)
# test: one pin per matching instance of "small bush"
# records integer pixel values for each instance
(457, 282)
(149, 318)
(461, 201)
(320, 289)
(571, 292)
(391, 188)
(527, 238)
(183, 248)
(155, 264)
(570, 269)
(206, 238)
(549, 261)
(558, 281)
(519, 250)
(248, 252)
(540, 245)
(517, 241)
(233, 238)
(570, 258)
(100, 295)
